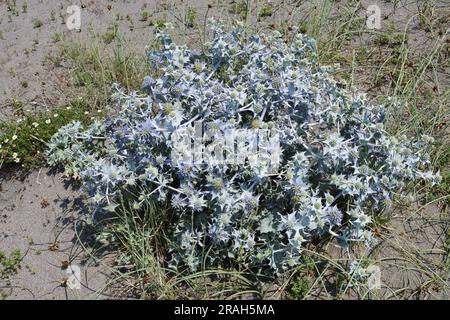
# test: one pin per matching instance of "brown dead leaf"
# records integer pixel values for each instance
(54, 247)
(64, 264)
(44, 203)
(63, 282)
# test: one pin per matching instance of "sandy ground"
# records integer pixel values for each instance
(40, 211)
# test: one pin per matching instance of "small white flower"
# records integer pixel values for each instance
(35, 124)
(14, 155)
(14, 137)
(48, 121)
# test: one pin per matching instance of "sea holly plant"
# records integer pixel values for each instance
(337, 165)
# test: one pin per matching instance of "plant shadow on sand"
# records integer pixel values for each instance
(45, 218)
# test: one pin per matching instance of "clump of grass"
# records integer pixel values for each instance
(159, 24)
(191, 17)
(95, 69)
(145, 15)
(37, 23)
(239, 7)
(390, 39)
(55, 60)
(57, 37)
(130, 21)
(266, 11)
(10, 265)
(139, 229)
(12, 6)
(447, 251)
(35, 45)
(111, 34)
(301, 282)
(25, 7)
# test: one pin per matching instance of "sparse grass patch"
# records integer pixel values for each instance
(57, 37)
(390, 39)
(266, 11)
(145, 15)
(10, 265)
(239, 7)
(37, 24)
(301, 283)
(111, 34)
(447, 250)
(191, 17)
(24, 84)
(94, 69)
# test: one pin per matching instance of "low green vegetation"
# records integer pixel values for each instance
(111, 34)
(191, 17)
(239, 7)
(9, 265)
(145, 15)
(23, 142)
(266, 11)
(37, 24)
